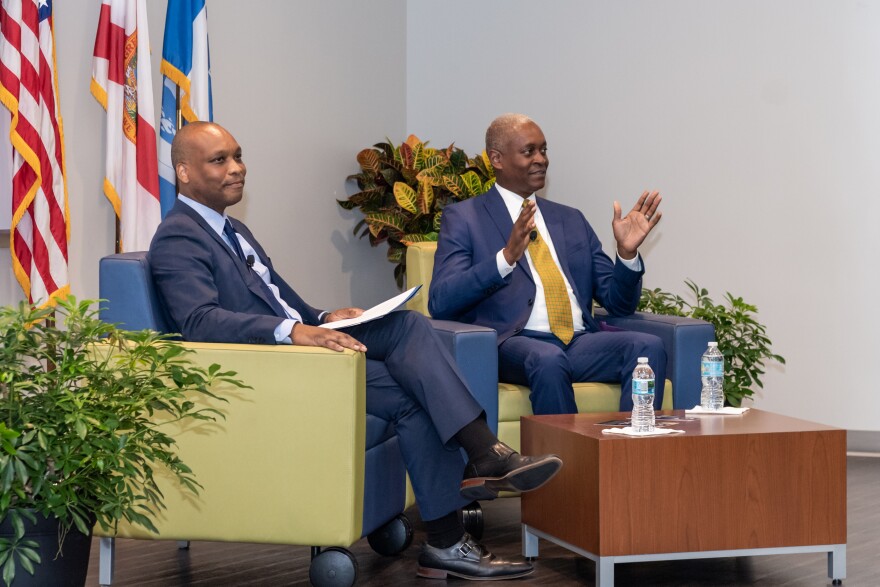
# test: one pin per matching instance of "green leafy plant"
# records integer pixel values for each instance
(741, 338)
(403, 190)
(83, 409)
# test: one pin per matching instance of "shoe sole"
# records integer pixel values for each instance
(429, 573)
(524, 479)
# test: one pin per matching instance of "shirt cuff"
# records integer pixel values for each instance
(503, 268)
(634, 264)
(282, 331)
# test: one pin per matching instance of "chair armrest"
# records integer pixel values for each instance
(286, 466)
(475, 350)
(685, 341)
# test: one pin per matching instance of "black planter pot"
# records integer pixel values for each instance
(66, 570)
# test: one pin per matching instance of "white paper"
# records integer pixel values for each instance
(725, 411)
(376, 311)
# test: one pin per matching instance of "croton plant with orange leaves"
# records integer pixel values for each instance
(403, 190)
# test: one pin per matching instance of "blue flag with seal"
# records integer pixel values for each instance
(186, 83)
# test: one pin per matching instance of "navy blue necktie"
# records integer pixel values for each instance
(230, 233)
(233, 239)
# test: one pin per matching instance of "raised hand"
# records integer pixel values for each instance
(519, 238)
(631, 230)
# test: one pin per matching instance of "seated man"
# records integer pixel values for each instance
(531, 268)
(219, 285)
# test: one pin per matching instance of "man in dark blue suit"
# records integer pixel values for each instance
(219, 285)
(485, 273)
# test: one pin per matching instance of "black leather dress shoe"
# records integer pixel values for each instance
(504, 469)
(468, 559)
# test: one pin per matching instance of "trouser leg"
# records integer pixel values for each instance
(423, 367)
(434, 469)
(612, 356)
(540, 362)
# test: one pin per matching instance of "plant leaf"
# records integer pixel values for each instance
(406, 197)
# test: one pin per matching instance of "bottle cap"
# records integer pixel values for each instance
(643, 359)
(713, 343)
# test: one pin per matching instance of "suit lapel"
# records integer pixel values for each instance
(180, 206)
(250, 278)
(497, 211)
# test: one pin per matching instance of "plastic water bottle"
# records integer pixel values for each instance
(712, 374)
(643, 397)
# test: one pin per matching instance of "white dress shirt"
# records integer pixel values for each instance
(538, 320)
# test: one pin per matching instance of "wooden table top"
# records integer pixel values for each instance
(753, 421)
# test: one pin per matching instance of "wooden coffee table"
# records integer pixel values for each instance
(754, 484)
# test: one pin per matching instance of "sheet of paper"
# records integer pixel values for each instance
(376, 311)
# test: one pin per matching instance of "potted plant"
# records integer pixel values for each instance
(741, 338)
(403, 190)
(82, 410)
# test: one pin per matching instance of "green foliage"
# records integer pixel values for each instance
(83, 411)
(404, 189)
(741, 338)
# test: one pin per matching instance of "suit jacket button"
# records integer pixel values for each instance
(518, 329)
(531, 301)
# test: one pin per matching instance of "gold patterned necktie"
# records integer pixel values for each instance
(555, 294)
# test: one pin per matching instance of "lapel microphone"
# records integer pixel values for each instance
(250, 261)
(533, 235)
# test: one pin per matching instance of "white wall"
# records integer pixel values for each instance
(758, 121)
(303, 86)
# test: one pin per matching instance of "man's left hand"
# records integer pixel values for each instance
(343, 314)
(631, 230)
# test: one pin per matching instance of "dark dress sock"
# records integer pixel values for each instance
(476, 438)
(446, 531)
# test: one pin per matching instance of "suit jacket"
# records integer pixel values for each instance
(467, 287)
(211, 295)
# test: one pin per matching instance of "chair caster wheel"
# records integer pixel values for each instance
(472, 519)
(333, 567)
(837, 582)
(392, 538)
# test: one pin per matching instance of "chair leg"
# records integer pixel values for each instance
(107, 561)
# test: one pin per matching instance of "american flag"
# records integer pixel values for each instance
(29, 89)
(121, 83)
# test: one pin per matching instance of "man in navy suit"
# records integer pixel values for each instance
(485, 274)
(218, 285)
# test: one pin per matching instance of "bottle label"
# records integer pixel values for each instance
(712, 369)
(643, 386)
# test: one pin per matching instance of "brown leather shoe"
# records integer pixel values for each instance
(468, 559)
(504, 469)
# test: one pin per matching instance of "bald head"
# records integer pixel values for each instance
(182, 145)
(502, 129)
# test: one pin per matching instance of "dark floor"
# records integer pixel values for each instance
(161, 564)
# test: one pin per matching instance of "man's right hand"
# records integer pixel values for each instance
(520, 236)
(305, 335)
